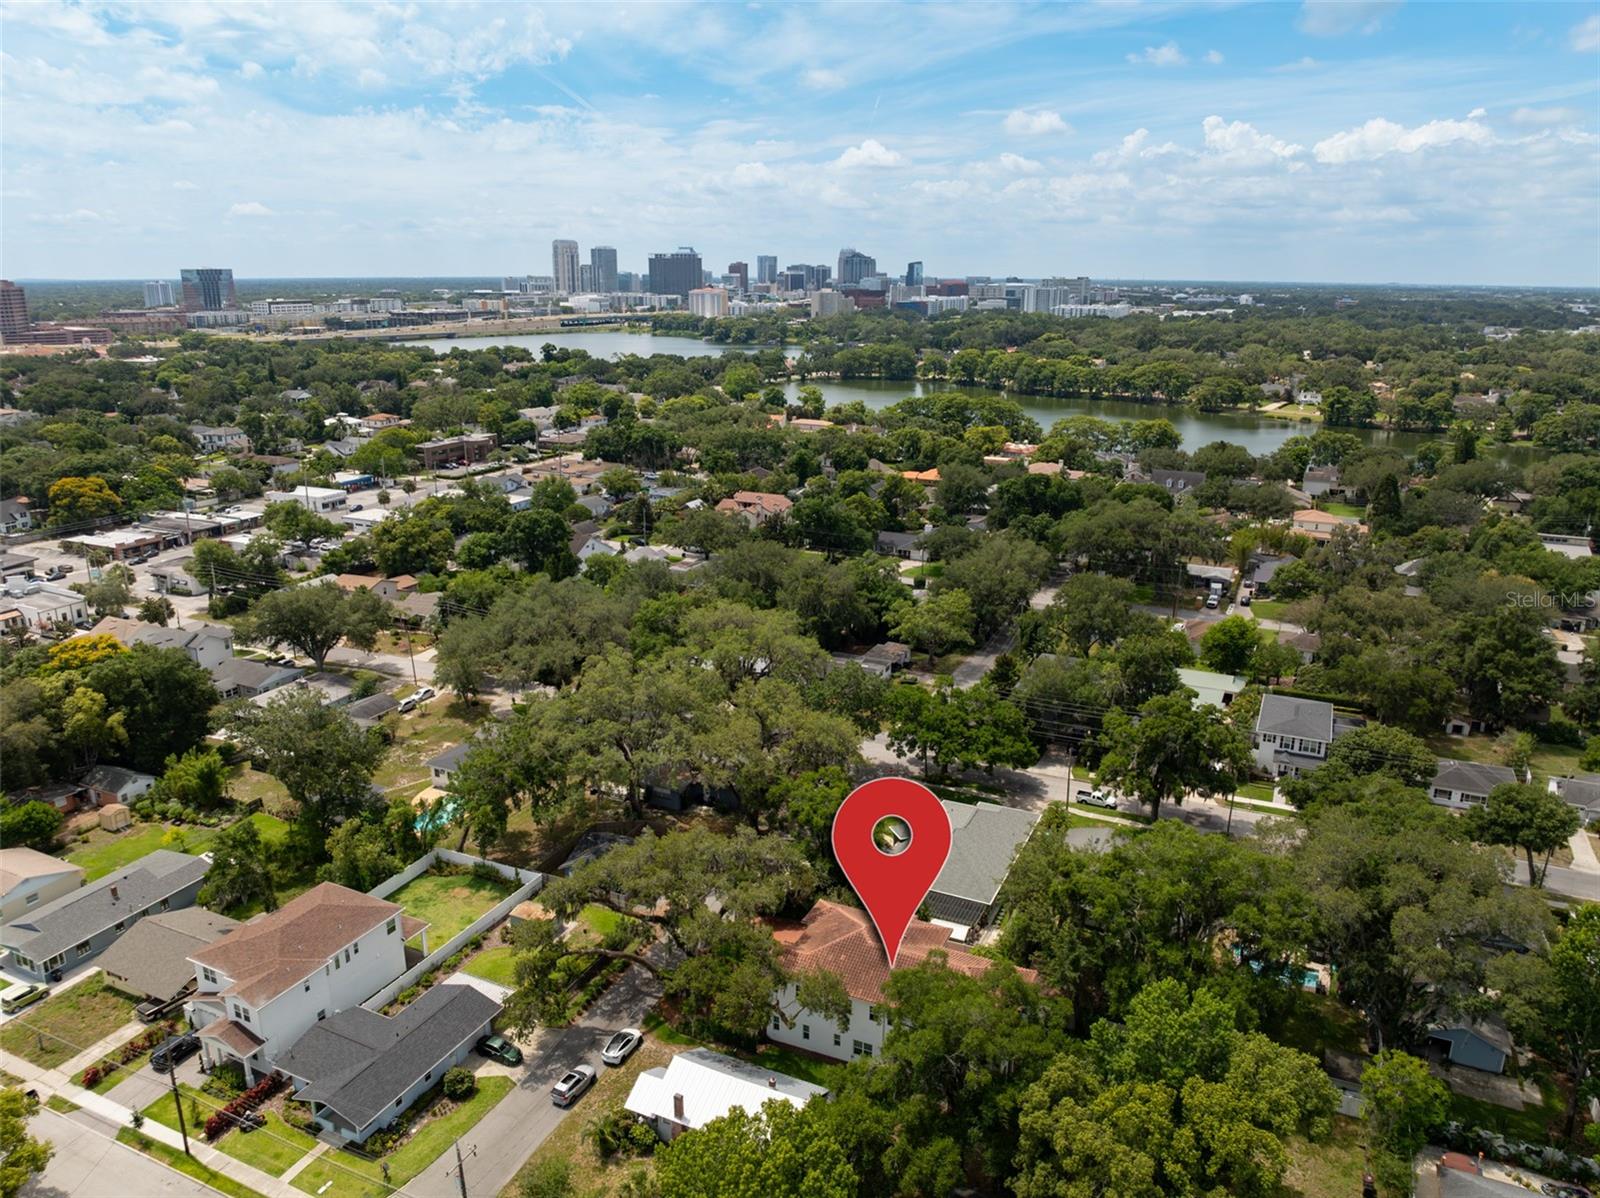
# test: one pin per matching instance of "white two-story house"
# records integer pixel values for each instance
(1292, 735)
(263, 985)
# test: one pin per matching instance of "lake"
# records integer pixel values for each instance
(1258, 434)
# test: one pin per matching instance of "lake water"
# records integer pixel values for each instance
(1258, 434)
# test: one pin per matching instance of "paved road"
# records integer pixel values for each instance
(510, 1133)
(89, 1164)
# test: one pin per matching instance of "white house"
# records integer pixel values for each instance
(1463, 784)
(207, 645)
(843, 941)
(317, 499)
(1292, 735)
(29, 879)
(263, 985)
(1211, 688)
(213, 438)
(699, 1085)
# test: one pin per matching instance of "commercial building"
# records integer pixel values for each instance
(766, 268)
(158, 294)
(741, 272)
(321, 500)
(14, 323)
(708, 301)
(913, 274)
(603, 268)
(469, 448)
(208, 289)
(828, 302)
(37, 606)
(564, 265)
(677, 273)
(855, 266)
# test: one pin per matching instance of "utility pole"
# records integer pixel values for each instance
(461, 1167)
(177, 1103)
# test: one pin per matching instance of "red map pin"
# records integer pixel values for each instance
(891, 836)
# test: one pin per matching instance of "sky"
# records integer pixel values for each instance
(1361, 142)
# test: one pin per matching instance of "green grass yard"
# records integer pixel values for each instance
(494, 965)
(65, 1024)
(424, 734)
(107, 851)
(1269, 609)
(449, 902)
(272, 1149)
(1354, 510)
(357, 1177)
(1330, 1168)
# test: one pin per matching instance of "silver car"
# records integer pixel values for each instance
(621, 1046)
(572, 1085)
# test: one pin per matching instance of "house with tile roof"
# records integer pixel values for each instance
(360, 1070)
(842, 941)
(264, 984)
(85, 922)
(755, 508)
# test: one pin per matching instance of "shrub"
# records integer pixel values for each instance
(459, 1083)
(226, 1081)
(550, 1178)
(230, 1114)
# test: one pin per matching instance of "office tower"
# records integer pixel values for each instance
(854, 266)
(741, 271)
(677, 273)
(207, 289)
(564, 266)
(603, 262)
(913, 274)
(627, 280)
(822, 274)
(13, 311)
(585, 277)
(158, 294)
(766, 268)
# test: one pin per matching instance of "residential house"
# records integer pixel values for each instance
(985, 839)
(1582, 793)
(207, 645)
(843, 941)
(1573, 547)
(1292, 735)
(266, 983)
(1306, 644)
(442, 766)
(699, 1085)
(1320, 526)
(29, 879)
(885, 658)
(1513, 503)
(927, 478)
(14, 515)
(369, 712)
(1210, 687)
(360, 1070)
(1321, 480)
(755, 508)
(905, 545)
(1178, 483)
(379, 421)
(152, 959)
(69, 930)
(218, 439)
(1462, 784)
(113, 784)
(596, 505)
(1482, 1044)
(243, 678)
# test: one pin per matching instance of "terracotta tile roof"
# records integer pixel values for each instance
(235, 1035)
(269, 954)
(761, 501)
(841, 940)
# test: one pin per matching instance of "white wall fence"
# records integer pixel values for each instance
(529, 884)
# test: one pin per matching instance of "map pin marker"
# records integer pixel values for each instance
(891, 836)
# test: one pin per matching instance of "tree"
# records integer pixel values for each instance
(163, 696)
(239, 874)
(954, 727)
(1170, 749)
(197, 781)
(330, 784)
(999, 577)
(21, 1155)
(1380, 749)
(81, 652)
(298, 524)
(539, 539)
(1523, 816)
(88, 728)
(33, 824)
(111, 593)
(940, 624)
(1401, 1103)
(316, 616)
(780, 1151)
(419, 543)
(1092, 609)
(78, 500)
(360, 856)
(1230, 645)
(157, 609)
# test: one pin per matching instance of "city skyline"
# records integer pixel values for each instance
(1336, 143)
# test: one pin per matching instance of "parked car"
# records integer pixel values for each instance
(56, 573)
(356, 507)
(154, 1009)
(23, 994)
(1098, 798)
(173, 1051)
(1214, 598)
(622, 1046)
(1245, 597)
(498, 1048)
(572, 1085)
(409, 703)
(423, 694)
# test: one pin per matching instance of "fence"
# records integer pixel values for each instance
(530, 884)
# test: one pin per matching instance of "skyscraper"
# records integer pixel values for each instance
(913, 274)
(855, 266)
(207, 289)
(14, 321)
(158, 294)
(766, 268)
(585, 278)
(603, 262)
(677, 273)
(741, 271)
(564, 263)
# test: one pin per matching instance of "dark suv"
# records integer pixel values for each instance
(179, 1048)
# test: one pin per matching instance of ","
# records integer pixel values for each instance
(621, 1046)
(572, 1085)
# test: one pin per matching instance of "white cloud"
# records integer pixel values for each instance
(78, 216)
(821, 79)
(184, 185)
(1214, 57)
(1017, 164)
(251, 70)
(1167, 55)
(1585, 35)
(870, 153)
(1546, 116)
(1022, 122)
(370, 79)
(1243, 142)
(250, 208)
(1379, 137)
(753, 174)
(1333, 18)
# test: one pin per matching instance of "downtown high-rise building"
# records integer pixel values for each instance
(207, 289)
(585, 278)
(158, 294)
(741, 271)
(564, 266)
(603, 266)
(14, 321)
(677, 273)
(913, 274)
(855, 266)
(766, 268)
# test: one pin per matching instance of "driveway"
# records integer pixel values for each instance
(139, 1090)
(88, 1164)
(510, 1133)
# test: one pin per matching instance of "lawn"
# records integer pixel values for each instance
(423, 734)
(449, 902)
(1262, 792)
(1269, 609)
(1331, 1168)
(246, 783)
(108, 851)
(356, 1177)
(1353, 510)
(174, 1158)
(272, 1148)
(164, 1110)
(494, 965)
(65, 1024)
(1548, 760)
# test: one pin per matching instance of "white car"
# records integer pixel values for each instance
(424, 694)
(1098, 798)
(621, 1046)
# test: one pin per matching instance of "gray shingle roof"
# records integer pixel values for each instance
(1285, 715)
(73, 918)
(153, 956)
(1581, 791)
(1470, 777)
(243, 671)
(358, 1062)
(113, 778)
(984, 838)
(450, 758)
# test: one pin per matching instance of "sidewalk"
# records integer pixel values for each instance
(1583, 858)
(74, 1066)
